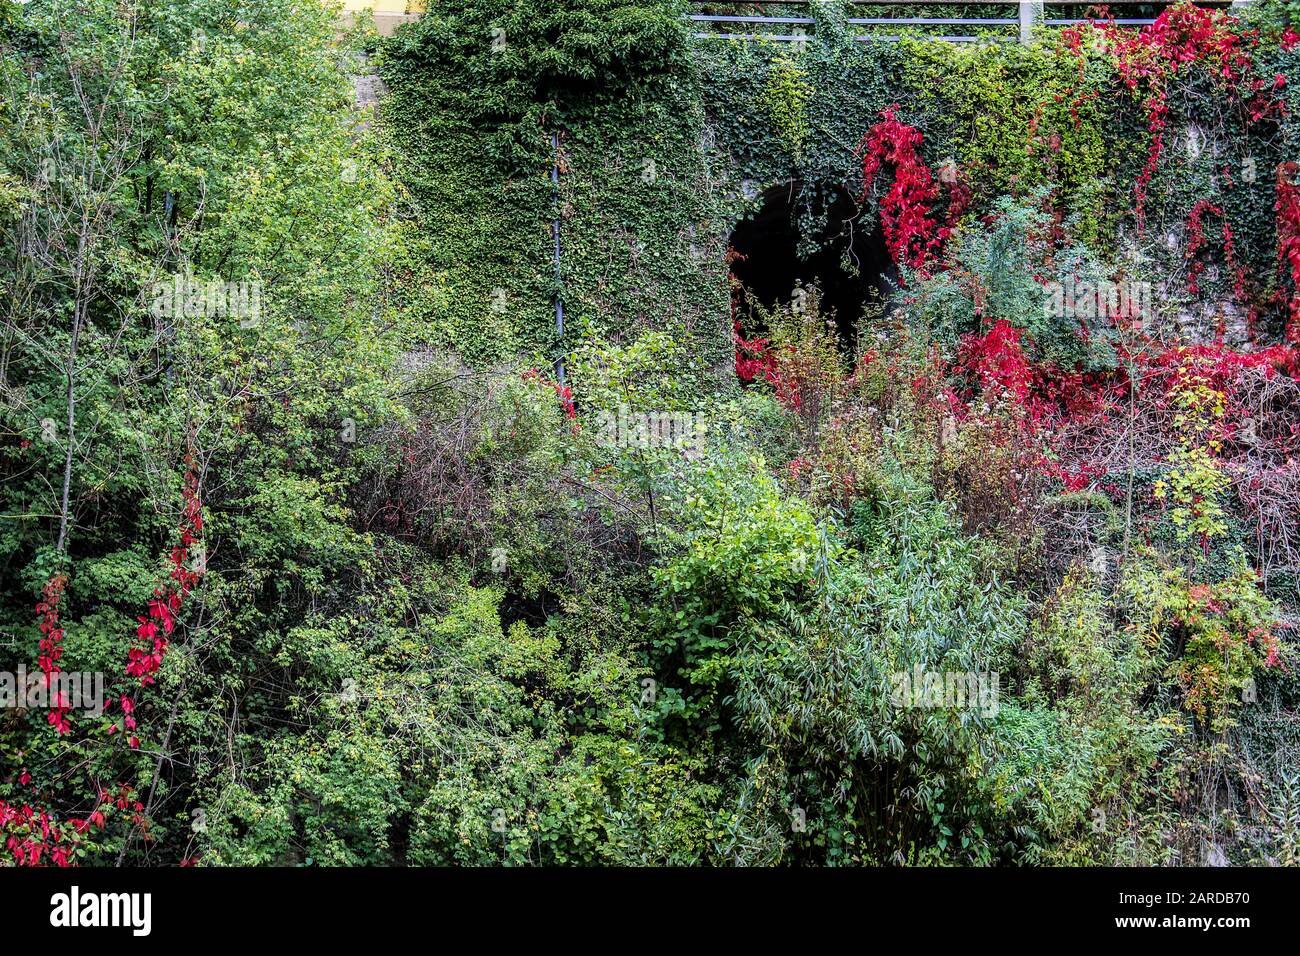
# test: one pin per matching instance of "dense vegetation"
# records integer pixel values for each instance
(382, 566)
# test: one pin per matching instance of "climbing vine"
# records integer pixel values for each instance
(912, 233)
(786, 94)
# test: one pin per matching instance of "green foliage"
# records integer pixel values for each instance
(781, 116)
(229, 154)
(453, 611)
(1196, 480)
(791, 639)
(787, 94)
(1088, 739)
(1003, 270)
(478, 92)
(1222, 632)
(1019, 119)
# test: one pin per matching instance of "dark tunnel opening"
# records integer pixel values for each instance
(852, 267)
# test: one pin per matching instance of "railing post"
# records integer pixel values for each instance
(1031, 11)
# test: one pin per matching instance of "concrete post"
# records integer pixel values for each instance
(1031, 11)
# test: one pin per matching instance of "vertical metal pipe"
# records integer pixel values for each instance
(555, 232)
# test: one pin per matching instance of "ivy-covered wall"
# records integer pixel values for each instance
(666, 142)
(482, 96)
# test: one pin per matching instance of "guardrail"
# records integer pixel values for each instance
(746, 24)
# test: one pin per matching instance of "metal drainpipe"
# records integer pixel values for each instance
(555, 231)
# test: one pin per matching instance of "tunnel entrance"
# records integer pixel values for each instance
(852, 267)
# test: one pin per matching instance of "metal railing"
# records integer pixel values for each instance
(743, 23)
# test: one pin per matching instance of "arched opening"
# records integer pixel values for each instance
(852, 267)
